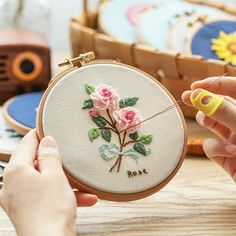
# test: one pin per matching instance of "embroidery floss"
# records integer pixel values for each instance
(174, 105)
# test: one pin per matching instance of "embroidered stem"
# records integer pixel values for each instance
(119, 163)
(117, 160)
(121, 142)
(124, 138)
(130, 142)
(108, 122)
(111, 120)
(104, 127)
(121, 149)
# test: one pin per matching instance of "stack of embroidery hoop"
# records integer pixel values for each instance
(175, 71)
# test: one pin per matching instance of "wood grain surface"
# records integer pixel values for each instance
(200, 200)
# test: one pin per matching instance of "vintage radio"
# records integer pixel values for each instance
(24, 62)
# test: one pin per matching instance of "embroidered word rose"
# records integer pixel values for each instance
(128, 118)
(105, 97)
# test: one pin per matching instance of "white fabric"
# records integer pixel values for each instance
(64, 119)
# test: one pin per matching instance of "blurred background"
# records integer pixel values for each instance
(61, 12)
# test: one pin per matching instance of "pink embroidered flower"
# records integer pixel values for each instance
(128, 117)
(94, 112)
(105, 97)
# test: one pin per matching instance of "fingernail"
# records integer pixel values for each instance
(47, 146)
(231, 149)
(195, 93)
(48, 142)
(200, 118)
(193, 84)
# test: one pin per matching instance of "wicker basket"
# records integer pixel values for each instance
(175, 71)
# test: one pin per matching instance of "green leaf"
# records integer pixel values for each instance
(89, 88)
(128, 102)
(131, 101)
(100, 121)
(122, 103)
(146, 139)
(88, 104)
(134, 136)
(106, 134)
(140, 148)
(93, 133)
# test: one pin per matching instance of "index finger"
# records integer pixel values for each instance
(26, 150)
(224, 86)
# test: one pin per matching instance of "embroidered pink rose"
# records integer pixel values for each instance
(94, 112)
(105, 97)
(128, 117)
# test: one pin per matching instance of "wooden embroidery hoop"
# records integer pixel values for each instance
(17, 126)
(84, 59)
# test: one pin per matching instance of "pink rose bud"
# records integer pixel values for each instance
(94, 112)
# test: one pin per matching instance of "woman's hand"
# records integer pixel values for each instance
(222, 123)
(36, 194)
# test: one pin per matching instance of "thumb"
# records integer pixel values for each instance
(221, 110)
(49, 159)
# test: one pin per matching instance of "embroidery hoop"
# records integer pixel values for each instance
(182, 25)
(193, 30)
(79, 183)
(13, 123)
(103, 27)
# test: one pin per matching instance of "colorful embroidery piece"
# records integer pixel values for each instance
(206, 40)
(225, 47)
(116, 116)
(134, 11)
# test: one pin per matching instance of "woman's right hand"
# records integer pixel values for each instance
(223, 123)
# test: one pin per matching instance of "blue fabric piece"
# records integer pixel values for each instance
(24, 108)
(201, 42)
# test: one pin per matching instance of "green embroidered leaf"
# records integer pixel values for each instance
(146, 139)
(140, 148)
(131, 101)
(93, 133)
(89, 88)
(122, 103)
(100, 121)
(106, 134)
(134, 136)
(88, 104)
(128, 102)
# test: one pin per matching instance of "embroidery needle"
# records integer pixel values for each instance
(174, 105)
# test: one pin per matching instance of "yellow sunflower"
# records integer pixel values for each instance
(225, 47)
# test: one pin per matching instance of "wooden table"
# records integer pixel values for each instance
(200, 200)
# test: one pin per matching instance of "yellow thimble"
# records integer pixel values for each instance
(206, 102)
